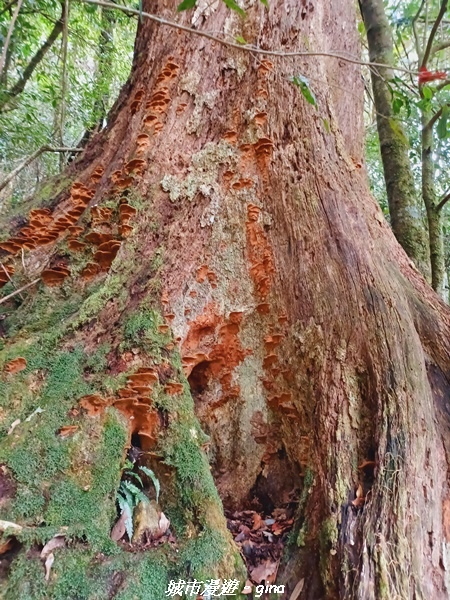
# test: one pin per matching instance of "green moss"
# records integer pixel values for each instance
(151, 579)
(328, 533)
(183, 453)
(29, 503)
(44, 309)
(204, 552)
(297, 535)
(141, 329)
(89, 510)
(97, 361)
(302, 534)
(71, 572)
(328, 538)
(111, 287)
(73, 482)
(42, 462)
(26, 580)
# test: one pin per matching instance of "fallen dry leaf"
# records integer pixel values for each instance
(5, 546)
(297, 590)
(13, 426)
(57, 541)
(243, 534)
(257, 521)
(164, 524)
(118, 531)
(266, 571)
(16, 365)
(4, 525)
(48, 565)
(358, 502)
(34, 413)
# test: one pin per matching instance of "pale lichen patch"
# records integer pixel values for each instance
(194, 122)
(190, 82)
(238, 64)
(203, 173)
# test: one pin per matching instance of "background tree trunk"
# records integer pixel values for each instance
(394, 146)
(316, 355)
(431, 205)
(19, 85)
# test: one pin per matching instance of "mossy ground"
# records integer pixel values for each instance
(70, 484)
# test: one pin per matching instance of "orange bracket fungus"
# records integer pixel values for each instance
(93, 404)
(16, 365)
(173, 388)
(55, 276)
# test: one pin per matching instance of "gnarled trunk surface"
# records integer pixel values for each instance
(317, 356)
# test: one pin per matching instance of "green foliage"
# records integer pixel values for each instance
(186, 5)
(416, 101)
(100, 46)
(234, 6)
(302, 83)
(130, 494)
(154, 479)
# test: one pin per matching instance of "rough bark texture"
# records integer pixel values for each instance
(316, 354)
(394, 146)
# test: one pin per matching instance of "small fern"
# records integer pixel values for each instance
(154, 479)
(129, 495)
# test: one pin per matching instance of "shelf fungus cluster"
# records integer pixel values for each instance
(44, 228)
(109, 226)
(134, 401)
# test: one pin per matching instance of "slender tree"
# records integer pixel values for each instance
(250, 283)
(18, 87)
(403, 200)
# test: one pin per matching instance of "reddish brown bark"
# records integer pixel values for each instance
(311, 343)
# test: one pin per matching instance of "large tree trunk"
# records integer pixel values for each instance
(316, 354)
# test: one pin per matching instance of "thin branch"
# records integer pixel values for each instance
(434, 29)
(442, 85)
(406, 54)
(19, 86)
(30, 159)
(434, 118)
(18, 292)
(7, 7)
(439, 47)
(9, 34)
(443, 202)
(61, 112)
(416, 35)
(247, 47)
(8, 276)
